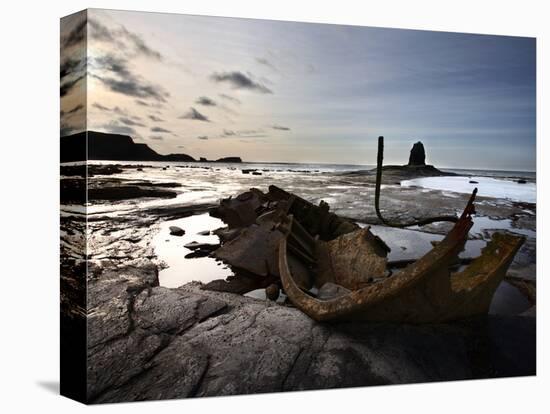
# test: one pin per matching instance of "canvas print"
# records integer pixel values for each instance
(254, 206)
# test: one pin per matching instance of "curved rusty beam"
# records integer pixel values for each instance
(424, 291)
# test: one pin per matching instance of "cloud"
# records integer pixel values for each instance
(70, 66)
(122, 38)
(156, 105)
(155, 118)
(132, 87)
(69, 85)
(72, 111)
(159, 129)
(100, 107)
(251, 133)
(229, 98)
(76, 35)
(265, 62)
(244, 133)
(72, 120)
(116, 109)
(156, 137)
(71, 71)
(194, 115)
(125, 81)
(67, 130)
(205, 101)
(115, 128)
(140, 45)
(100, 32)
(203, 137)
(130, 122)
(280, 128)
(112, 63)
(255, 136)
(239, 80)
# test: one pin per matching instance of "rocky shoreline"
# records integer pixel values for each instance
(147, 341)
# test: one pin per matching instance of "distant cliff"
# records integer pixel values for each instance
(115, 147)
(230, 159)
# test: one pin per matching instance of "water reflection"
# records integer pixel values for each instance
(170, 251)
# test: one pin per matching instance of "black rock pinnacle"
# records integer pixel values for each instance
(418, 155)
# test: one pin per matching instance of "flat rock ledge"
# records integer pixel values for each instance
(150, 342)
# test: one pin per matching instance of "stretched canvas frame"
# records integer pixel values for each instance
(154, 306)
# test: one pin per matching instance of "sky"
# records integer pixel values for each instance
(300, 92)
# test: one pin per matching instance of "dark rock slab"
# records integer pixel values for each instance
(204, 246)
(200, 343)
(176, 231)
(126, 192)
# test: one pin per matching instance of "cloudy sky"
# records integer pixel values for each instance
(297, 92)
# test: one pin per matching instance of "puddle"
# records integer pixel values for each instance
(169, 250)
(406, 244)
(508, 300)
(487, 187)
(482, 223)
(412, 243)
(260, 294)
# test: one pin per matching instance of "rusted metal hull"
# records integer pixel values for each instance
(423, 292)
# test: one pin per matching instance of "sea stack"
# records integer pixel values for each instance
(418, 155)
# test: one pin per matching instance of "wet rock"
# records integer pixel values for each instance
(256, 173)
(239, 283)
(255, 250)
(165, 185)
(126, 192)
(197, 253)
(72, 190)
(198, 343)
(473, 182)
(226, 234)
(521, 181)
(204, 246)
(239, 211)
(272, 292)
(176, 231)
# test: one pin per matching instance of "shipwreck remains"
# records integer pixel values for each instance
(251, 240)
(332, 269)
(353, 284)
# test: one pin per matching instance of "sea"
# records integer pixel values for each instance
(221, 178)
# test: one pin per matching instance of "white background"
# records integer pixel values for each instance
(29, 131)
